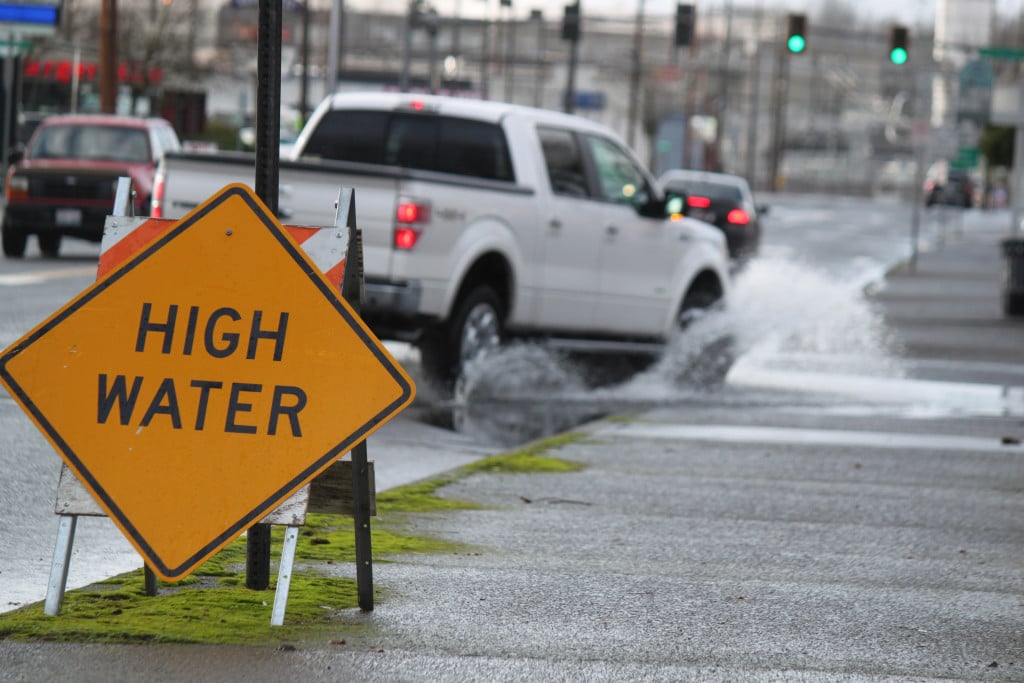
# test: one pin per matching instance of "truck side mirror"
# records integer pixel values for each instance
(675, 204)
(16, 154)
(670, 205)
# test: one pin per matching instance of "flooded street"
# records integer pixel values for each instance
(798, 329)
(798, 333)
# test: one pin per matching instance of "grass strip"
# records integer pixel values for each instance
(213, 606)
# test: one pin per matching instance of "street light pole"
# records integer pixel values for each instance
(334, 47)
(635, 76)
(108, 56)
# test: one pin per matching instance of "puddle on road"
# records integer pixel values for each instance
(789, 336)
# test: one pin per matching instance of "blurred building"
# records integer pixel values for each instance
(839, 117)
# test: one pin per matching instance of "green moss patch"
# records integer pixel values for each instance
(213, 606)
(529, 459)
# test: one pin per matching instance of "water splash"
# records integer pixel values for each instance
(780, 314)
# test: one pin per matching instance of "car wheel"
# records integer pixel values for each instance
(706, 359)
(696, 303)
(14, 241)
(49, 244)
(474, 329)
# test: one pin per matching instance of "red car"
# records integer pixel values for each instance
(64, 181)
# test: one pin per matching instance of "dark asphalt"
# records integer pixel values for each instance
(796, 539)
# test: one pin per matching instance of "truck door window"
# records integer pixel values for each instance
(474, 148)
(564, 162)
(350, 136)
(618, 177)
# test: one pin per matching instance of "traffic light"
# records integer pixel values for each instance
(685, 17)
(571, 23)
(796, 33)
(899, 45)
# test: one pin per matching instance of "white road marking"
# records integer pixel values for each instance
(806, 437)
(925, 397)
(35, 277)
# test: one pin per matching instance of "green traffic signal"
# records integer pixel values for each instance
(796, 33)
(899, 45)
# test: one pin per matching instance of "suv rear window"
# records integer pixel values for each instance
(422, 141)
(710, 190)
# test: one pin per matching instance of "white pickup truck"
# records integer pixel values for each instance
(484, 221)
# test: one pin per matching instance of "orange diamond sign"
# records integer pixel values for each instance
(204, 381)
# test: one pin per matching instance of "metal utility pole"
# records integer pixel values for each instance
(538, 87)
(268, 155)
(723, 86)
(108, 56)
(410, 23)
(510, 55)
(485, 59)
(780, 91)
(334, 46)
(571, 30)
(304, 50)
(755, 100)
(635, 75)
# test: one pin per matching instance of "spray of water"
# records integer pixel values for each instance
(779, 314)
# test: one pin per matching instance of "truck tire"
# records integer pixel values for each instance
(13, 241)
(707, 363)
(49, 243)
(475, 327)
(697, 302)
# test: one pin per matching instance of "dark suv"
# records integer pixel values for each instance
(723, 200)
(64, 181)
(949, 186)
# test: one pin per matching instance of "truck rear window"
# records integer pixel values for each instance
(421, 141)
(90, 142)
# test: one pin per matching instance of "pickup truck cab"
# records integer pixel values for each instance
(484, 221)
(63, 182)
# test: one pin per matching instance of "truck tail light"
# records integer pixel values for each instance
(737, 217)
(411, 216)
(156, 209)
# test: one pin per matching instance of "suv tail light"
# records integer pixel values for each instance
(411, 216)
(698, 202)
(737, 217)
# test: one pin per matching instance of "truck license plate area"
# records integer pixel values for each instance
(67, 217)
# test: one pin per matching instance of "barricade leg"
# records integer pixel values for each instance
(284, 575)
(61, 562)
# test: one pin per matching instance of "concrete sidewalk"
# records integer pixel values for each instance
(950, 307)
(740, 539)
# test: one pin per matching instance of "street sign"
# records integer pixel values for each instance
(30, 18)
(974, 102)
(204, 380)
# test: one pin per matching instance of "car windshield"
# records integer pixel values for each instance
(705, 189)
(90, 142)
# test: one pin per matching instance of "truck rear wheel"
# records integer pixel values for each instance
(13, 241)
(49, 244)
(474, 328)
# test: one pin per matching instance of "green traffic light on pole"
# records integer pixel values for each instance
(796, 33)
(899, 45)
